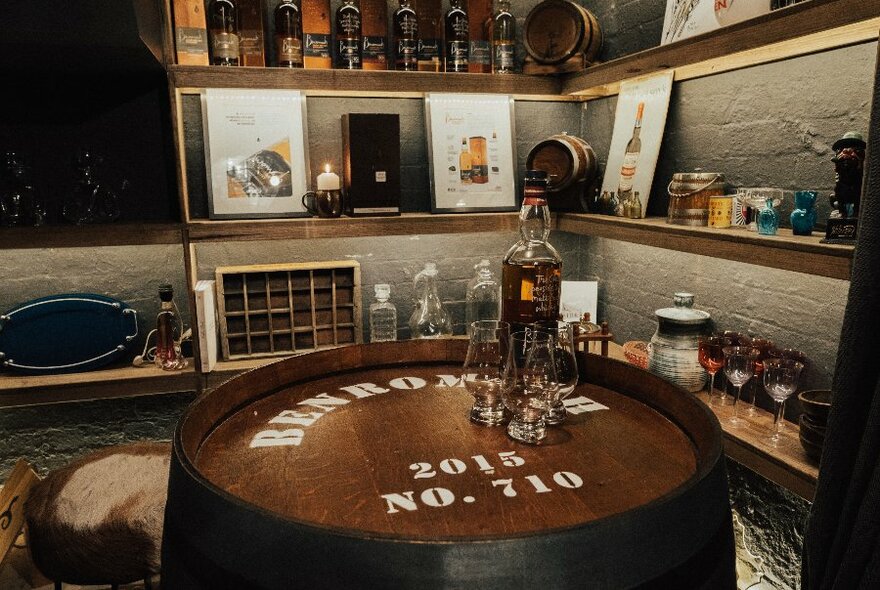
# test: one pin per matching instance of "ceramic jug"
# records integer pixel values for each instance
(674, 350)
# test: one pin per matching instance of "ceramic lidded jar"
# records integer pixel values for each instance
(674, 350)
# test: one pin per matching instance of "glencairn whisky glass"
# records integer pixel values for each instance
(562, 341)
(484, 368)
(530, 383)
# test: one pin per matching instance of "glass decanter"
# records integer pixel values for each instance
(383, 316)
(483, 299)
(768, 219)
(429, 319)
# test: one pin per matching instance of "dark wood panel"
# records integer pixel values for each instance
(72, 236)
(362, 82)
(406, 224)
(796, 253)
(790, 24)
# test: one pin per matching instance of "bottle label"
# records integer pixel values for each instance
(409, 25)
(457, 56)
(317, 45)
(349, 54)
(225, 46)
(192, 40)
(349, 24)
(628, 171)
(504, 56)
(429, 49)
(480, 53)
(289, 50)
(251, 42)
(407, 52)
(374, 49)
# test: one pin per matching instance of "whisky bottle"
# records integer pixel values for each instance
(503, 39)
(457, 37)
(631, 158)
(288, 35)
(168, 331)
(348, 36)
(464, 162)
(406, 37)
(224, 33)
(532, 268)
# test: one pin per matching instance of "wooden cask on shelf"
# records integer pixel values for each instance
(558, 30)
(358, 468)
(571, 166)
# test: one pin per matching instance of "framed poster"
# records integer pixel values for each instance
(635, 144)
(255, 153)
(471, 152)
(686, 18)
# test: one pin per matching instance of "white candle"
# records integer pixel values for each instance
(328, 181)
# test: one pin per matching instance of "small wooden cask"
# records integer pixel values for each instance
(253, 39)
(316, 34)
(371, 164)
(430, 18)
(480, 45)
(190, 33)
(374, 28)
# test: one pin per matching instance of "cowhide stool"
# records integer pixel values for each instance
(99, 520)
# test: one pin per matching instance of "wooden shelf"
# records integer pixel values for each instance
(796, 253)
(786, 464)
(347, 227)
(72, 236)
(117, 382)
(804, 28)
(189, 79)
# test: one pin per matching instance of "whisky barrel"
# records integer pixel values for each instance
(557, 30)
(358, 468)
(567, 160)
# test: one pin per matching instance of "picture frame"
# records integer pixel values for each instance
(471, 152)
(687, 18)
(639, 123)
(256, 153)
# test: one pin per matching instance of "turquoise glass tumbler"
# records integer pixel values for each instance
(803, 218)
(768, 219)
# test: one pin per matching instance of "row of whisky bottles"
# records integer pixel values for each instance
(225, 36)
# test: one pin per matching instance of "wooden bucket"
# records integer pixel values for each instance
(358, 468)
(567, 160)
(689, 194)
(557, 30)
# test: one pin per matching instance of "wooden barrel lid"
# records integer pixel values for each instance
(369, 453)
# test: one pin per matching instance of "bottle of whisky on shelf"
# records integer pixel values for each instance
(223, 32)
(532, 269)
(288, 35)
(631, 159)
(406, 37)
(465, 168)
(348, 36)
(457, 37)
(503, 39)
(168, 331)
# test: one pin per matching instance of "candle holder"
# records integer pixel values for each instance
(323, 203)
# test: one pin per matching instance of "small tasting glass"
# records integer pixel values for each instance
(711, 357)
(484, 368)
(530, 383)
(780, 380)
(739, 366)
(562, 340)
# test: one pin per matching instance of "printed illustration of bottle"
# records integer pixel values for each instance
(223, 32)
(483, 299)
(464, 162)
(532, 269)
(168, 330)
(383, 316)
(631, 158)
(457, 37)
(406, 37)
(503, 39)
(429, 319)
(288, 35)
(348, 36)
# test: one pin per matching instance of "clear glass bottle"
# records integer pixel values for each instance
(288, 35)
(503, 39)
(429, 319)
(406, 37)
(19, 205)
(532, 269)
(483, 299)
(383, 316)
(457, 37)
(79, 203)
(168, 331)
(223, 33)
(348, 36)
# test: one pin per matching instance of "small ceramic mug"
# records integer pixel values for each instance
(323, 203)
(720, 211)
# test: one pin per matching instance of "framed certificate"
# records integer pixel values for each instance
(255, 153)
(471, 152)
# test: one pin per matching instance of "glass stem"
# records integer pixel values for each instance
(712, 384)
(777, 417)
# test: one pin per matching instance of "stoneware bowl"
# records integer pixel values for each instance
(810, 432)
(816, 404)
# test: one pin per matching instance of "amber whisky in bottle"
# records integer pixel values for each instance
(503, 39)
(224, 34)
(532, 269)
(406, 37)
(348, 36)
(465, 167)
(288, 35)
(457, 37)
